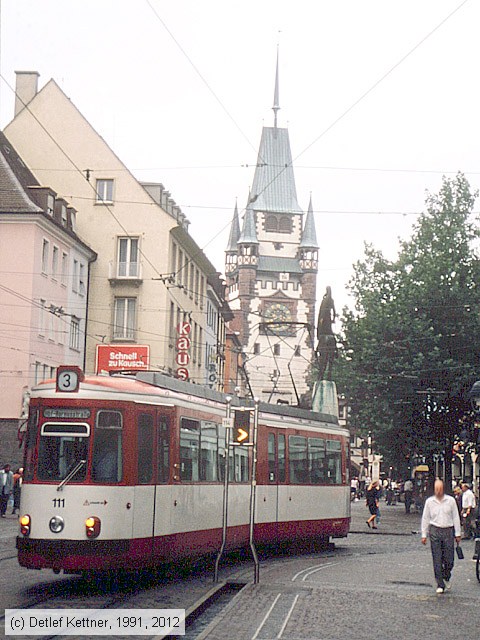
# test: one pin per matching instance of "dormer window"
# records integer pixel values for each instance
(63, 212)
(50, 204)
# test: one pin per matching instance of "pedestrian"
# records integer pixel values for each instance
(441, 521)
(17, 489)
(6, 487)
(408, 489)
(468, 511)
(372, 502)
(353, 488)
(457, 494)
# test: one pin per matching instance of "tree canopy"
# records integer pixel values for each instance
(411, 345)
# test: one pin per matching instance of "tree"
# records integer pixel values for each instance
(411, 345)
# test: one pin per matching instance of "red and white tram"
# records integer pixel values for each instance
(128, 472)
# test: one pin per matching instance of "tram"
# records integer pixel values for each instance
(128, 471)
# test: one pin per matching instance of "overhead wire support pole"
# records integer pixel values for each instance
(253, 491)
(228, 431)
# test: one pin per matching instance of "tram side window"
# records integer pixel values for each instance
(241, 464)
(221, 452)
(107, 447)
(189, 450)
(208, 452)
(163, 451)
(282, 469)
(317, 460)
(145, 448)
(334, 462)
(271, 458)
(297, 446)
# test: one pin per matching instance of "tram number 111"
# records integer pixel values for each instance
(58, 503)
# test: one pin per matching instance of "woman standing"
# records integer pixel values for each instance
(372, 503)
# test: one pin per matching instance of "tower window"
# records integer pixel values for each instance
(256, 348)
(276, 349)
(271, 223)
(285, 225)
(298, 350)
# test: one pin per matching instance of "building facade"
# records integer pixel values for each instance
(44, 267)
(271, 269)
(150, 276)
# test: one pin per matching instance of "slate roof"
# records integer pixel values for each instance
(279, 264)
(234, 231)
(13, 195)
(273, 186)
(249, 231)
(309, 235)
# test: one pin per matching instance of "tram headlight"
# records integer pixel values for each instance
(92, 527)
(56, 524)
(25, 523)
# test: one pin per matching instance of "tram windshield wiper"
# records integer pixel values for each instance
(72, 473)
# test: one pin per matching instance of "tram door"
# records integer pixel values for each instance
(144, 503)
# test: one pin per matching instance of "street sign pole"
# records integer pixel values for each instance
(228, 431)
(253, 491)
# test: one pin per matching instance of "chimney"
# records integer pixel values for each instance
(25, 89)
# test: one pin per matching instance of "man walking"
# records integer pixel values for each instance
(441, 520)
(468, 511)
(6, 488)
(408, 488)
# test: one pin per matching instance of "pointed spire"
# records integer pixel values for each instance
(249, 231)
(309, 235)
(234, 231)
(276, 96)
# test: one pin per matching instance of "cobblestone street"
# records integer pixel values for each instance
(375, 585)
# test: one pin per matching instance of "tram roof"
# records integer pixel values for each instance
(138, 383)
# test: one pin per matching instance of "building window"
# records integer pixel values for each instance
(45, 252)
(200, 346)
(54, 262)
(271, 223)
(75, 334)
(197, 285)
(64, 215)
(37, 372)
(127, 266)
(276, 349)
(75, 276)
(124, 320)
(82, 288)
(51, 325)
(41, 318)
(202, 291)
(256, 348)
(105, 190)
(64, 269)
(298, 350)
(173, 259)
(73, 219)
(179, 273)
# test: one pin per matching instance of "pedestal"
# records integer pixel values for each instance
(325, 398)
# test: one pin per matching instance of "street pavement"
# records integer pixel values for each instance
(374, 584)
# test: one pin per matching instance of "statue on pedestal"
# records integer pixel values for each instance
(327, 345)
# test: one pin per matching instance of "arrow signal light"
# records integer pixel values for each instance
(242, 434)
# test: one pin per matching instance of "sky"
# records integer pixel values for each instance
(181, 89)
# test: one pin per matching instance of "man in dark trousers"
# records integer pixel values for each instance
(441, 521)
(6, 488)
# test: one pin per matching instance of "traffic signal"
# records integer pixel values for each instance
(241, 427)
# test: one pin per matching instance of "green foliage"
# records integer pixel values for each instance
(415, 327)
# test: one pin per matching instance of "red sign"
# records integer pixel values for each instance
(183, 344)
(118, 357)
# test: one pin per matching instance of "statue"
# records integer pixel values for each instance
(327, 345)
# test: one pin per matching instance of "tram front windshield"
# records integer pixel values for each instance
(58, 455)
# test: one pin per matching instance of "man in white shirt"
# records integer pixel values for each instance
(468, 511)
(441, 521)
(408, 488)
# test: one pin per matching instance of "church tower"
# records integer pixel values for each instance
(271, 269)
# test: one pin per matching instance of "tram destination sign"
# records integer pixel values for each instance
(122, 357)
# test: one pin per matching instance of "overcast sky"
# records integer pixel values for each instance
(125, 72)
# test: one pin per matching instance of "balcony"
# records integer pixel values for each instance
(125, 273)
